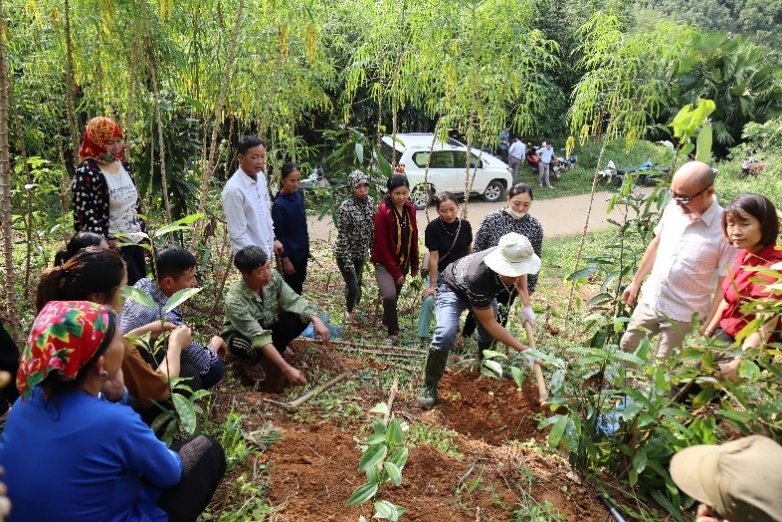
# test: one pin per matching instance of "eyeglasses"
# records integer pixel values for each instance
(686, 199)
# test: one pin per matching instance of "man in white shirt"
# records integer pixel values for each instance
(516, 155)
(545, 155)
(688, 258)
(246, 200)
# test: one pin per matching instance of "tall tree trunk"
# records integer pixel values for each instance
(207, 173)
(161, 143)
(69, 93)
(27, 217)
(5, 191)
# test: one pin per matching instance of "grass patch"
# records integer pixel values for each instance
(421, 434)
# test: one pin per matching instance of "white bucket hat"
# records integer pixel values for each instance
(513, 257)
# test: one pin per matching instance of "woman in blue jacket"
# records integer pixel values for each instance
(69, 455)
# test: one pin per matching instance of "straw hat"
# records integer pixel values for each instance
(513, 257)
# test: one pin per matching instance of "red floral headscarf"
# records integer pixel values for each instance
(65, 336)
(99, 131)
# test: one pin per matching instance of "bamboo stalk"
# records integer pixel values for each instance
(207, 173)
(5, 189)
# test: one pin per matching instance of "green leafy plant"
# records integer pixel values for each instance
(492, 367)
(383, 460)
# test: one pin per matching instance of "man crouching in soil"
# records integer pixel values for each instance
(262, 315)
(475, 281)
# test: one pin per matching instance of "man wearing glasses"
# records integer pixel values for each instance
(687, 258)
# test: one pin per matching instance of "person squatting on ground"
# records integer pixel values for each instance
(546, 155)
(290, 227)
(750, 224)
(474, 282)
(105, 199)
(513, 218)
(71, 456)
(688, 259)
(738, 481)
(98, 275)
(176, 270)
(395, 248)
(246, 200)
(262, 315)
(355, 233)
(448, 239)
(517, 154)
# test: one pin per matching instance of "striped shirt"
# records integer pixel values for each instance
(135, 315)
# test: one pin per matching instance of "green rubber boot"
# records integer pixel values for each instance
(433, 372)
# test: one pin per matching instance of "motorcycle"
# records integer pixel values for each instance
(608, 174)
(751, 167)
(562, 163)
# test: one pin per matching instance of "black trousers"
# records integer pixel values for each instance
(352, 282)
(137, 264)
(203, 466)
(296, 281)
(504, 303)
(288, 327)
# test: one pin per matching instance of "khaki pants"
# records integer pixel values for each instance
(671, 333)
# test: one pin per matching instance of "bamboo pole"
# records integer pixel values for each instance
(5, 188)
(207, 173)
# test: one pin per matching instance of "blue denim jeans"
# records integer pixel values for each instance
(449, 309)
(426, 314)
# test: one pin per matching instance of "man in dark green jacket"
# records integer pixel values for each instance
(262, 315)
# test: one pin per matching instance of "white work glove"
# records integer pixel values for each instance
(530, 361)
(527, 315)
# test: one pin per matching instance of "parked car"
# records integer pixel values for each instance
(492, 177)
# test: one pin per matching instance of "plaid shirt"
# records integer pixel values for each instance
(135, 315)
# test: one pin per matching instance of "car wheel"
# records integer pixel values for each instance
(494, 191)
(421, 196)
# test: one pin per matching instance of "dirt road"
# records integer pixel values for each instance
(559, 217)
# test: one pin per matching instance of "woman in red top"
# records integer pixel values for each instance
(750, 222)
(395, 248)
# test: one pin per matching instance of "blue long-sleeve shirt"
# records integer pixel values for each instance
(80, 458)
(290, 225)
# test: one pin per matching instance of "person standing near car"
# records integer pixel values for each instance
(355, 232)
(516, 154)
(545, 155)
(394, 249)
(504, 144)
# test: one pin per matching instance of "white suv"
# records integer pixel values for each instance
(446, 168)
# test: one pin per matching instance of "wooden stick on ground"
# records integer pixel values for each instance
(390, 402)
(292, 406)
(536, 368)
(398, 351)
